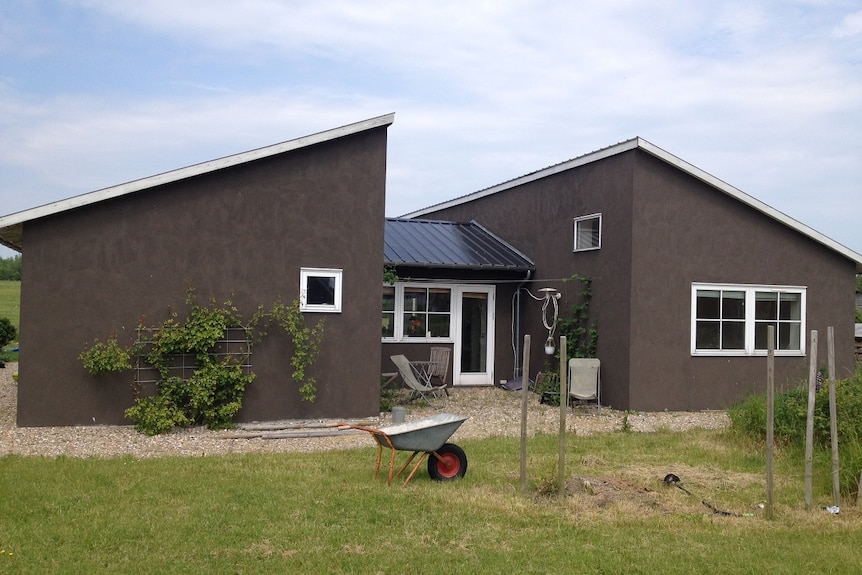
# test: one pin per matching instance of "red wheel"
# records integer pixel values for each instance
(449, 463)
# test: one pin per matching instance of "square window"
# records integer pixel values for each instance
(320, 290)
(588, 232)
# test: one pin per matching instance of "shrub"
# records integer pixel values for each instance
(8, 333)
(106, 357)
(791, 408)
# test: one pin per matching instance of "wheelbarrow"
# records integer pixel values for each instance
(424, 437)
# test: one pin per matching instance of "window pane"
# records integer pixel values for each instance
(761, 339)
(790, 306)
(438, 325)
(414, 299)
(388, 325)
(388, 298)
(414, 325)
(706, 335)
(733, 305)
(321, 290)
(788, 336)
(438, 300)
(765, 305)
(733, 335)
(587, 234)
(708, 305)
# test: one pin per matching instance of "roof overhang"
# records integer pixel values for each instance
(11, 226)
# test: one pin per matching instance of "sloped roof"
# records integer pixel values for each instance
(641, 144)
(11, 226)
(429, 243)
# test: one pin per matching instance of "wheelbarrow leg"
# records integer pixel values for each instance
(415, 467)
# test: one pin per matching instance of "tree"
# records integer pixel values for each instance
(10, 268)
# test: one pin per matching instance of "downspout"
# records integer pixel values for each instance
(517, 335)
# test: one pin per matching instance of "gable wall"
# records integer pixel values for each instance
(240, 233)
(537, 218)
(685, 231)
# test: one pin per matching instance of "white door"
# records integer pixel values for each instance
(473, 363)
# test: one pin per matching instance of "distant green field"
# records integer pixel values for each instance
(10, 302)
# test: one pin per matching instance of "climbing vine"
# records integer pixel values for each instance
(212, 395)
(582, 336)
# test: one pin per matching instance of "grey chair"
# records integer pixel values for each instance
(585, 380)
(439, 367)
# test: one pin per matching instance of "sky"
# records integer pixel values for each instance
(764, 95)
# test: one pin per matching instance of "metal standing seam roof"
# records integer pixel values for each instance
(431, 243)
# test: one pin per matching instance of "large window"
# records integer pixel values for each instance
(320, 290)
(417, 312)
(588, 232)
(734, 319)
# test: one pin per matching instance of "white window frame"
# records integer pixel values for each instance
(584, 219)
(750, 291)
(334, 273)
(399, 336)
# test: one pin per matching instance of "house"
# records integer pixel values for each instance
(257, 227)
(686, 274)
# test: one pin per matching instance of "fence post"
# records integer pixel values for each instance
(525, 384)
(770, 415)
(564, 404)
(833, 416)
(809, 420)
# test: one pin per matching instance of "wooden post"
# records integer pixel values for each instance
(564, 404)
(770, 416)
(809, 420)
(525, 384)
(833, 416)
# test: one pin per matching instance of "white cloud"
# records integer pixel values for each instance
(851, 25)
(766, 96)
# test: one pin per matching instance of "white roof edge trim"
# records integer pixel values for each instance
(532, 177)
(193, 170)
(669, 158)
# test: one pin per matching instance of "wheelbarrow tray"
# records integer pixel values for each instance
(426, 434)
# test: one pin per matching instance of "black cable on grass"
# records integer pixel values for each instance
(674, 480)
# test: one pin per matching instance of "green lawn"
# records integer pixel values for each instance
(325, 513)
(10, 301)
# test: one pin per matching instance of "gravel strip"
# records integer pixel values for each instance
(491, 411)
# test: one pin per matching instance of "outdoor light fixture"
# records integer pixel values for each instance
(551, 296)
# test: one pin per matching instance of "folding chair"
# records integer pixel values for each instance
(417, 378)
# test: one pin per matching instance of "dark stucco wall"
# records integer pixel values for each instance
(242, 233)
(662, 230)
(537, 219)
(680, 220)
